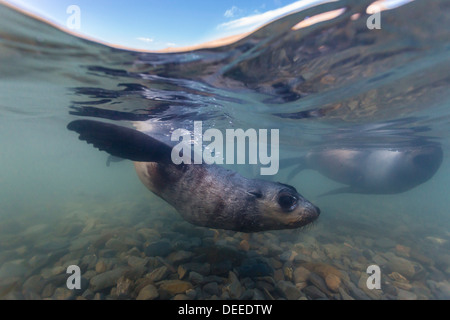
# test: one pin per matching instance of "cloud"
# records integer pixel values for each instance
(382, 5)
(232, 12)
(318, 18)
(253, 21)
(148, 40)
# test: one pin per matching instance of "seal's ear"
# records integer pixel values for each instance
(122, 142)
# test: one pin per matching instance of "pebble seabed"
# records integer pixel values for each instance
(125, 252)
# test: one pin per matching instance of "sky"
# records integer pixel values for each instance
(158, 24)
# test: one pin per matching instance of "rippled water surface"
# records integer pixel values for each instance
(334, 86)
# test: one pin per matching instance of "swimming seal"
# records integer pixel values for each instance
(374, 170)
(205, 195)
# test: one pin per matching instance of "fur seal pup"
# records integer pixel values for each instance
(205, 195)
(374, 170)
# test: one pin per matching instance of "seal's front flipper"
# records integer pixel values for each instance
(122, 142)
(338, 191)
(113, 159)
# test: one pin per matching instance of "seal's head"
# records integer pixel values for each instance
(426, 160)
(282, 207)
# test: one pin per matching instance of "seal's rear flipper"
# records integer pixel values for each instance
(122, 142)
(338, 191)
(295, 172)
(299, 163)
(289, 162)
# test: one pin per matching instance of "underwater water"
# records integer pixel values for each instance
(377, 96)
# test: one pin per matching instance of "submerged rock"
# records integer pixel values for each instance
(403, 266)
(100, 267)
(444, 290)
(345, 295)
(314, 293)
(36, 229)
(301, 274)
(212, 288)
(116, 245)
(34, 283)
(234, 287)
(158, 248)
(278, 275)
(323, 269)
(48, 291)
(63, 294)
(89, 261)
(244, 245)
(203, 268)
(124, 288)
(137, 262)
(333, 282)
(107, 279)
(149, 234)
(221, 268)
(405, 295)
(357, 293)
(255, 268)
(149, 292)
(169, 288)
(159, 274)
(179, 257)
(385, 243)
(15, 268)
(195, 278)
(318, 282)
(288, 290)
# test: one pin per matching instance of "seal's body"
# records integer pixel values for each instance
(205, 195)
(376, 170)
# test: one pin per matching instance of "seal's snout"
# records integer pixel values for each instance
(317, 210)
(312, 212)
(311, 209)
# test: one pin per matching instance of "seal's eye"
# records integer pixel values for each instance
(287, 201)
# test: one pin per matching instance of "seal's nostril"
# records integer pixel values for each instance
(318, 210)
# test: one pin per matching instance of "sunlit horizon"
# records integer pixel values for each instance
(151, 25)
